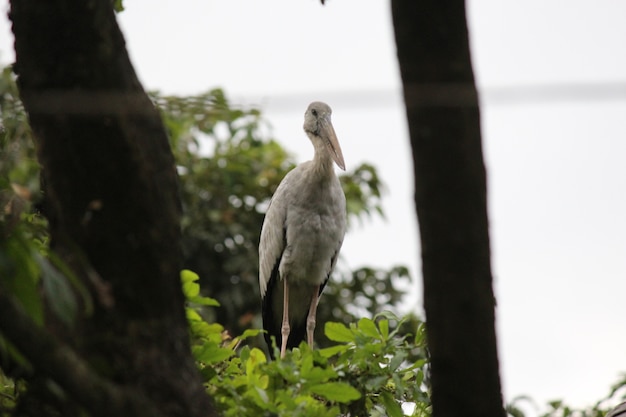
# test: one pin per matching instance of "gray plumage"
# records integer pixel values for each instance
(302, 234)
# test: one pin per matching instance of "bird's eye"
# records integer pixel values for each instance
(314, 112)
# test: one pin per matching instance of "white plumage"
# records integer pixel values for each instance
(301, 236)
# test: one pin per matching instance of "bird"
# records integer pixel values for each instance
(301, 236)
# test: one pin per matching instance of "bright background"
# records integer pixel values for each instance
(552, 77)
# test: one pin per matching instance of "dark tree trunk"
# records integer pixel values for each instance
(450, 196)
(112, 198)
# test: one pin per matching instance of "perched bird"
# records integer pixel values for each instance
(301, 236)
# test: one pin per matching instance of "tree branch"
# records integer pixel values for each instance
(60, 363)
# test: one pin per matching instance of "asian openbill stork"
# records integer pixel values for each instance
(301, 236)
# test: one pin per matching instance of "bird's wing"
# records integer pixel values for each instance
(341, 215)
(342, 222)
(273, 235)
(333, 261)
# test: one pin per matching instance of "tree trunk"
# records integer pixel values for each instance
(450, 197)
(112, 198)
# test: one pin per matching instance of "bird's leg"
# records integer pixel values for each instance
(310, 320)
(284, 331)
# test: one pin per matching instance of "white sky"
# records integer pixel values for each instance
(554, 144)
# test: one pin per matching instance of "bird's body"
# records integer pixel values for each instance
(301, 236)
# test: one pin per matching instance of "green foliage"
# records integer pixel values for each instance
(36, 278)
(118, 6)
(228, 171)
(23, 241)
(366, 291)
(8, 395)
(19, 272)
(365, 373)
(19, 170)
(363, 192)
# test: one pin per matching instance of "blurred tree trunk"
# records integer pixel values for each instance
(113, 204)
(450, 196)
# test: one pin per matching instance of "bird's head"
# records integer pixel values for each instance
(317, 125)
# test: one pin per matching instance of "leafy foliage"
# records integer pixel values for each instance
(19, 170)
(365, 373)
(27, 268)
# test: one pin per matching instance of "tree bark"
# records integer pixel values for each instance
(111, 197)
(49, 357)
(450, 197)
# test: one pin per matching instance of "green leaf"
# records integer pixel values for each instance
(376, 382)
(368, 328)
(392, 407)
(383, 326)
(80, 289)
(59, 294)
(420, 335)
(254, 378)
(315, 374)
(397, 360)
(212, 353)
(250, 333)
(188, 276)
(193, 315)
(118, 6)
(336, 391)
(204, 301)
(332, 351)
(338, 332)
(256, 357)
(191, 289)
(388, 315)
(19, 273)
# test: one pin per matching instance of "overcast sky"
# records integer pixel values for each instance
(552, 77)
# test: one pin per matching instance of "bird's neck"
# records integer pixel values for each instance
(322, 161)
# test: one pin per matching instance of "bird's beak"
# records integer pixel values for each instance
(327, 133)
